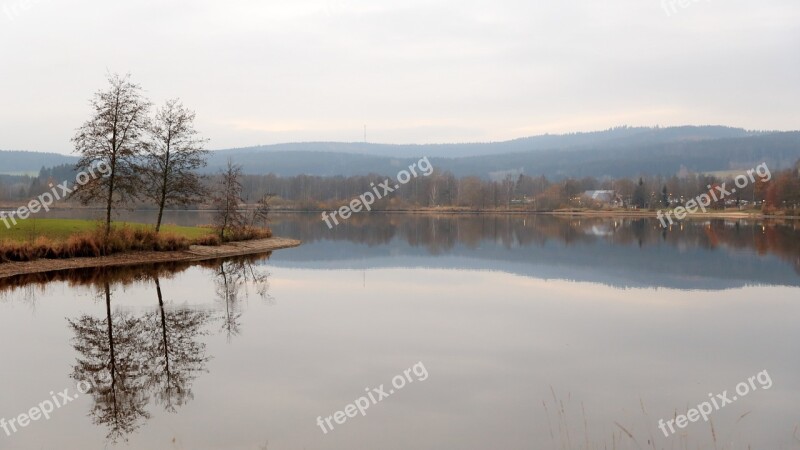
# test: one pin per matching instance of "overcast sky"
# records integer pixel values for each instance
(412, 71)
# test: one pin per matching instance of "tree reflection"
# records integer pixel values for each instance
(129, 360)
(440, 233)
(233, 276)
(111, 361)
(175, 355)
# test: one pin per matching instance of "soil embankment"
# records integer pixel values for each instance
(194, 253)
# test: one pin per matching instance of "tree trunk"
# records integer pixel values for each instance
(158, 221)
(163, 329)
(224, 225)
(109, 203)
(113, 359)
(108, 207)
(163, 199)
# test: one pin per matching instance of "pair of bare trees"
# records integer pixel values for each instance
(149, 158)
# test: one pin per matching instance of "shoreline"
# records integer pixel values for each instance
(581, 213)
(194, 253)
(465, 210)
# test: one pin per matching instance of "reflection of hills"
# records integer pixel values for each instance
(620, 252)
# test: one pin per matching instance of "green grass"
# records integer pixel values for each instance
(61, 229)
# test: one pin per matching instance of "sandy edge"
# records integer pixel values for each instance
(194, 253)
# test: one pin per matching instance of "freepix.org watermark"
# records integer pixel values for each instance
(57, 192)
(715, 194)
(43, 410)
(365, 200)
(374, 395)
(13, 10)
(671, 7)
(715, 403)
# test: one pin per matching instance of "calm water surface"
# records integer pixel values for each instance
(534, 332)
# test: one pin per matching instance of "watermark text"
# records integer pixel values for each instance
(715, 403)
(365, 200)
(373, 396)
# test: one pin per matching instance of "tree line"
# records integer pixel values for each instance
(443, 189)
(524, 192)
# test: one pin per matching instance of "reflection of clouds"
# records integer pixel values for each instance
(535, 333)
(601, 230)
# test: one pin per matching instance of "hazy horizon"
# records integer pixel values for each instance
(261, 73)
(69, 152)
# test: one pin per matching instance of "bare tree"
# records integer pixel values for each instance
(115, 137)
(172, 158)
(262, 210)
(227, 200)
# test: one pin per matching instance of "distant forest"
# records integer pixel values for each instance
(624, 152)
(445, 190)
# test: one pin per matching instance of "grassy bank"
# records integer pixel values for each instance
(62, 229)
(68, 238)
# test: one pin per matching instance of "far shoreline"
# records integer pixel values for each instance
(565, 212)
(613, 213)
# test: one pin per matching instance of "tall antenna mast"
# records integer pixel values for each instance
(365, 133)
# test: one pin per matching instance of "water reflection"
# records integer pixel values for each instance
(126, 275)
(233, 276)
(496, 324)
(619, 252)
(113, 359)
(175, 353)
(132, 360)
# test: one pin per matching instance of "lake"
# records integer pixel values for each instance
(443, 332)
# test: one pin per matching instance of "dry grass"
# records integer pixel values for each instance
(211, 240)
(123, 238)
(565, 435)
(247, 234)
(93, 243)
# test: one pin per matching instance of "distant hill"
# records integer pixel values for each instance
(778, 150)
(615, 137)
(14, 162)
(621, 152)
(618, 152)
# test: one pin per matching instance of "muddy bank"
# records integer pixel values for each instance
(194, 253)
